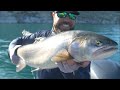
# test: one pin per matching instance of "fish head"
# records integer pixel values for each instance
(103, 47)
(88, 46)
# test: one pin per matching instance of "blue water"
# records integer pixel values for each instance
(10, 31)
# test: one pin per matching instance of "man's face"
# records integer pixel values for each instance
(63, 23)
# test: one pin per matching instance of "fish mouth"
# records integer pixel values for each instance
(104, 52)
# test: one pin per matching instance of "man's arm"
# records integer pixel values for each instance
(20, 41)
(13, 46)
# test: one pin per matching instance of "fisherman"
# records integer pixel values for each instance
(62, 21)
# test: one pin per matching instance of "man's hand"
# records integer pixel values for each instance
(70, 65)
(84, 64)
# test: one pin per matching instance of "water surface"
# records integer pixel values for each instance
(10, 31)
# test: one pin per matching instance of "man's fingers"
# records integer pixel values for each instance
(70, 65)
(84, 64)
(67, 68)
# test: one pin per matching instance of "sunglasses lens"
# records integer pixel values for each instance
(72, 16)
(62, 14)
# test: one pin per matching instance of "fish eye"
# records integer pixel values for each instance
(98, 43)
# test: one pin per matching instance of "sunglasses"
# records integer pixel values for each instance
(65, 14)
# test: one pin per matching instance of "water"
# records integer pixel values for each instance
(10, 31)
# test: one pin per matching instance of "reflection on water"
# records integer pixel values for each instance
(10, 31)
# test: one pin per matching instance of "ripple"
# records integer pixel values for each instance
(4, 41)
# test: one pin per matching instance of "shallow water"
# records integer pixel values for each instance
(10, 31)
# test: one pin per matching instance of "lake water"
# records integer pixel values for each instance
(10, 31)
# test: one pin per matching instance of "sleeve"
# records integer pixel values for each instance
(31, 38)
(13, 46)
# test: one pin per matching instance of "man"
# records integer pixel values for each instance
(62, 21)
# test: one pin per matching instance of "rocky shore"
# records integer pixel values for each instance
(91, 17)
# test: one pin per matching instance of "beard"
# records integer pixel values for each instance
(64, 26)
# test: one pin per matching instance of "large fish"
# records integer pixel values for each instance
(80, 45)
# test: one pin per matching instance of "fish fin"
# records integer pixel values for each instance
(35, 69)
(62, 55)
(39, 39)
(26, 33)
(20, 65)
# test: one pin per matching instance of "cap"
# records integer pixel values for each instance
(74, 12)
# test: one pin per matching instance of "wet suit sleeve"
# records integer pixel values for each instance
(13, 46)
